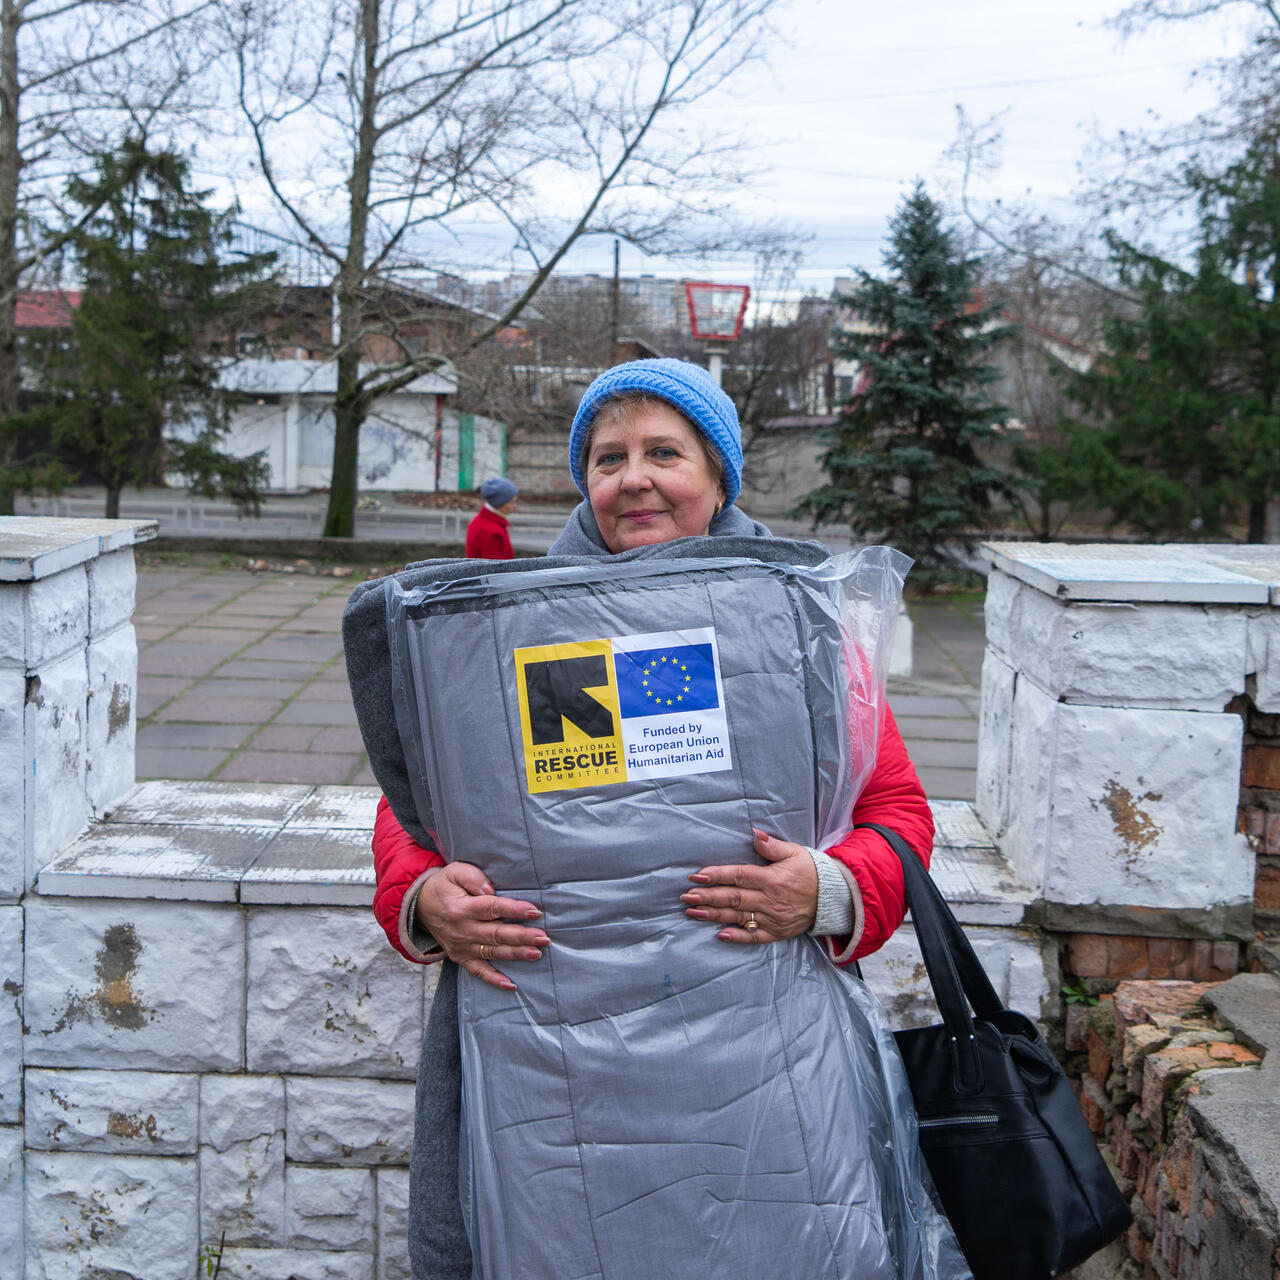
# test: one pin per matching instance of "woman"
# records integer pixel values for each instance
(488, 537)
(655, 449)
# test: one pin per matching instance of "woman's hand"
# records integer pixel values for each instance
(465, 916)
(781, 899)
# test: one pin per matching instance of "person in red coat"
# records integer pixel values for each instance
(656, 451)
(487, 534)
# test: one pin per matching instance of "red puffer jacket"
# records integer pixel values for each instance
(893, 797)
(488, 538)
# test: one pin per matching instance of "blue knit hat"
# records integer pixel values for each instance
(497, 491)
(684, 386)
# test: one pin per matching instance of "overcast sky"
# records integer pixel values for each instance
(855, 99)
(859, 98)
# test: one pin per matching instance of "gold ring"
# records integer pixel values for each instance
(750, 926)
(484, 952)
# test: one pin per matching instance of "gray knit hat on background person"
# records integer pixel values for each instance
(497, 491)
(686, 387)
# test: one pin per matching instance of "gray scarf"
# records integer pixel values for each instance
(581, 535)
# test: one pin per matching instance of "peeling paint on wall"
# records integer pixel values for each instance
(114, 1001)
(118, 709)
(1132, 823)
(125, 1126)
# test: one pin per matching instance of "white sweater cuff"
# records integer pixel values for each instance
(418, 943)
(840, 911)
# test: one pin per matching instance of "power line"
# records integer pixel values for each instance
(917, 92)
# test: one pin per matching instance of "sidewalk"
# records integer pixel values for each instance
(241, 679)
(938, 708)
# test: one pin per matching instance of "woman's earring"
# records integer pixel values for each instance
(718, 510)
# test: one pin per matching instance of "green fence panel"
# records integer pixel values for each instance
(466, 452)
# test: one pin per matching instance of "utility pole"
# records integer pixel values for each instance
(613, 301)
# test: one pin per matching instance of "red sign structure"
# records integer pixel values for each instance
(716, 310)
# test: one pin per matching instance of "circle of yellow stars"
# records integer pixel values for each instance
(655, 665)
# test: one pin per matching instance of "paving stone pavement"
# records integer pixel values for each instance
(241, 680)
(937, 709)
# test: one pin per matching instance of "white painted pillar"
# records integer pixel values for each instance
(1108, 769)
(902, 655)
(289, 479)
(68, 682)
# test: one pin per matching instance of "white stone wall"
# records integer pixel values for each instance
(202, 1038)
(1190, 656)
(1021, 963)
(11, 1028)
(13, 839)
(1108, 772)
(1264, 658)
(264, 1054)
(195, 1069)
(11, 1192)
(135, 985)
(96, 1215)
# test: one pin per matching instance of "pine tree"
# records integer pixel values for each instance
(132, 392)
(1183, 410)
(903, 462)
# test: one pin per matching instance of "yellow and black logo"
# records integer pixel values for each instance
(569, 716)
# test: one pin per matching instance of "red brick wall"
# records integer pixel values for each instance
(1259, 812)
(1121, 958)
(1134, 1057)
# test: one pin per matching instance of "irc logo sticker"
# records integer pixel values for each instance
(599, 712)
(569, 715)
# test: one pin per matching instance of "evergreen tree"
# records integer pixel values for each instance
(1184, 408)
(903, 462)
(132, 392)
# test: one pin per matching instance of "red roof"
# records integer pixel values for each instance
(46, 308)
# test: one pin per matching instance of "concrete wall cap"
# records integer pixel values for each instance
(1249, 1006)
(1179, 574)
(34, 547)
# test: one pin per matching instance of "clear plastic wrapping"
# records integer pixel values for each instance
(860, 593)
(653, 1100)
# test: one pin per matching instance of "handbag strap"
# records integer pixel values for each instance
(955, 972)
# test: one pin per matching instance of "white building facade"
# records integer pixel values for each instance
(414, 439)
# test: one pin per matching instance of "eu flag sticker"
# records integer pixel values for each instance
(671, 704)
(668, 680)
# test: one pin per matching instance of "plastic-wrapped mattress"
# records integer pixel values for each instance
(653, 1101)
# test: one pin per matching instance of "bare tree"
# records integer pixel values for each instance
(1055, 278)
(784, 342)
(783, 348)
(1056, 329)
(1136, 179)
(532, 376)
(380, 127)
(74, 75)
(1055, 284)
(1017, 235)
(1140, 173)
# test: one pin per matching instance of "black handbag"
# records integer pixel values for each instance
(1016, 1168)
